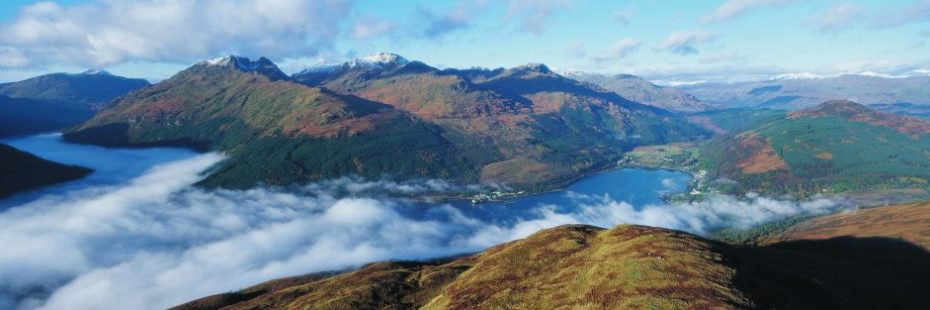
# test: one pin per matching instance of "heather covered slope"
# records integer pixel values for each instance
(908, 222)
(21, 171)
(838, 146)
(573, 267)
(543, 126)
(275, 131)
(526, 127)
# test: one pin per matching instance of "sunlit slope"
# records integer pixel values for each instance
(908, 222)
(838, 146)
(544, 126)
(526, 127)
(585, 267)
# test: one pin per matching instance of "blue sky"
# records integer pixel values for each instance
(667, 41)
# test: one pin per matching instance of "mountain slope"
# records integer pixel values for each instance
(91, 88)
(543, 125)
(582, 267)
(21, 116)
(384, 116)
(21, 171)
(808, 92)
(275, 131)
(838, 146)
(55, 101)
(638, 89)
(906, 222)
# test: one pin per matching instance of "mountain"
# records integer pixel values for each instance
(906, 222)
(384, 115)
(584, 267)
(21, 171)
(541, 125)
(23, 116)
(837, 146)
(92, 88)
(640, 90)
(55, 101)
(800, 93)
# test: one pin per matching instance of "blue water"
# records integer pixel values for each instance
(635, 186)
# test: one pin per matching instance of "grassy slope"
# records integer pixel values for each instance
(908, 222)
(528, 128)
(585, 267)
(545, 127)
(276, 132)
(21, 171)
(826, 151)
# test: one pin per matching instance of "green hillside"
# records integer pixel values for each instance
(21, 171)
(403, 120)
(838, 146)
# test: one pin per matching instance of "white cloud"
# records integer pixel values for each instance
(533, 14)
(686, 41)
(154, 242)
(102, 33)
(622, 16)
(577, 49)
(727, 57)
(371, 26)
(735, 8)
(837, 18)
(619, 50)
(917, 11)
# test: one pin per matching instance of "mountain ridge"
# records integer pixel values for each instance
(493, 130)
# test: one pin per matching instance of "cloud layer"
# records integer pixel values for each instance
(154, 241)
(685, 42)
(109, 32)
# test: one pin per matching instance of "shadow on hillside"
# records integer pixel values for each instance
(838, 273)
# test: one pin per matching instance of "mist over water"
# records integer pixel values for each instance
(111, 166)
(145, 238)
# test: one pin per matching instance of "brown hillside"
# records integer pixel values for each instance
(584, 267)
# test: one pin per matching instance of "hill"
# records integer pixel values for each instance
(55, 101)
(21, 171)
(384, 116)
(91, 89)
(640, 90)
(581, 267)
(22, 116)
(837, 146)
(907, 222)
(800, 93)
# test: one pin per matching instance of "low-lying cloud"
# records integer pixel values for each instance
(154, 241)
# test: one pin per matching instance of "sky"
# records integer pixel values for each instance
(665, 41)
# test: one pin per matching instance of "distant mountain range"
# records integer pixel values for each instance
(627, 267)
(799, 93)
(92, 88)
(837, 146)
(54, 101)
(640, 90)
(384, 115)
